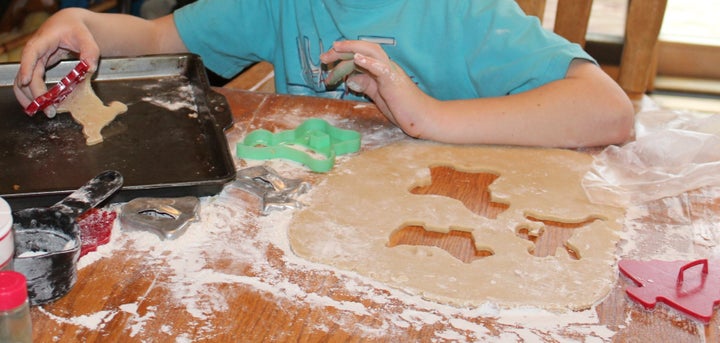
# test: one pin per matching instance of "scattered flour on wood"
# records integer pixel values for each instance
(684, 228)
(94, 321)
(182, 268)
(232, 231)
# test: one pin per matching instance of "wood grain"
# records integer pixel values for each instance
(254, 314)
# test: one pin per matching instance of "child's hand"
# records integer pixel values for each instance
(367, 69)
(62, 36)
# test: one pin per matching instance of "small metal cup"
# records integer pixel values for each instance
(47, 240)
(48, 258)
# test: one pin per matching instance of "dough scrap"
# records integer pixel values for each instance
(354, 211)
(89, 111)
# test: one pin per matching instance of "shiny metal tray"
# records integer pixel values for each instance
(171, 141)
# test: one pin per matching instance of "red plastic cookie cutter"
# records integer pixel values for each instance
(95, 229)
(691, 287)
(60, 91)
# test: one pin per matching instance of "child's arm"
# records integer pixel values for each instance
(586, 108)
(85, 34)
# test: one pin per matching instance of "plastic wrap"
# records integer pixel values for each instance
(673, 152)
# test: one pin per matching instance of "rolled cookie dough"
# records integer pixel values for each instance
(89, 111)
(354, 211)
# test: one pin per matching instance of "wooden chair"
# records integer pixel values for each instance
(260, 77)
(636, 68)
(634, 72)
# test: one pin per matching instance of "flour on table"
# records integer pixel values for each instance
(356, 209)
(192, 275)
(89, 111)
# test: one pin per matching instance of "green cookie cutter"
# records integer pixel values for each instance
(312, 138)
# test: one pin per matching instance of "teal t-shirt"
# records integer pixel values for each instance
(452, 49)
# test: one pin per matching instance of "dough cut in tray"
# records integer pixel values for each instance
(89, 111)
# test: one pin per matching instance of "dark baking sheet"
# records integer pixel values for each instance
(170, 142)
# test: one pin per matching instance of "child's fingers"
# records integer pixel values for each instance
(26, 93)
(344, 56)
(372, 66)
(331, 56)
(339, 72)
(23, 95)
(372, 50)
(89, 51)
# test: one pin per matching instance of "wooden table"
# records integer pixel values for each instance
(231, 279)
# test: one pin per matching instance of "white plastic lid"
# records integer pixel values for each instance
(7, 243)
(5, 218)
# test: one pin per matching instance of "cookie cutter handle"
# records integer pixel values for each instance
(681, 273)
(57, 93)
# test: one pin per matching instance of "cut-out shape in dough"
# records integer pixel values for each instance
(470, 187)
(89, 111)
(459, 244)
(547, 238)
(352, 214)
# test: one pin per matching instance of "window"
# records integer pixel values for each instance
(689, 40)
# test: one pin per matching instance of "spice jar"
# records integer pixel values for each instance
(15, 322)
(7, 242)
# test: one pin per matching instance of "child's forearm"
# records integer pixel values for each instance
(584, 109)
(127, 35)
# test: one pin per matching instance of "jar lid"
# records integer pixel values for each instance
(13, 290)
(5, 218)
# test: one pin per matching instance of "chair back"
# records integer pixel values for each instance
(638, 62)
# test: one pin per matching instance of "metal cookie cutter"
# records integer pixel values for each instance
(60, 91)
(313, 137)
(274, 191)
(168, 218)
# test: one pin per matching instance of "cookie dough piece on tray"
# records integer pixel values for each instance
(89, 111)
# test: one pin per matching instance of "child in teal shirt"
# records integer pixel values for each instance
(457, 71)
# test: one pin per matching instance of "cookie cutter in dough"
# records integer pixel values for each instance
(168, 218)
(275, 192)
(314, 137)
(60, 91)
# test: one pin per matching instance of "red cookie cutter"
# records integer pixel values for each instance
(95, 229)
(60, 91)
(691, 287)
